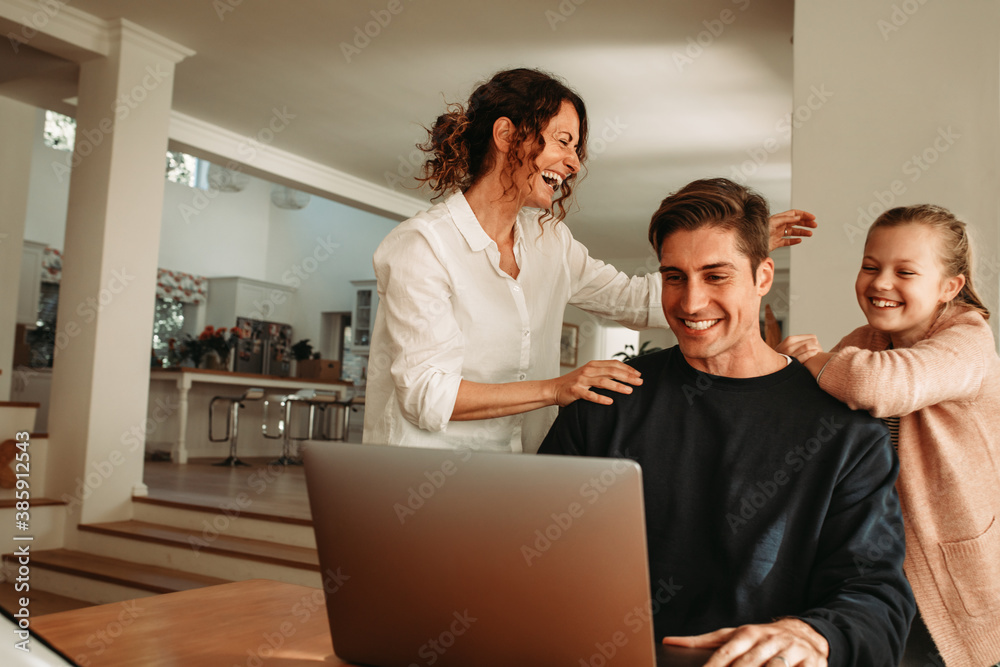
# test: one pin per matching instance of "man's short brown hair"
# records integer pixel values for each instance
(716, 202)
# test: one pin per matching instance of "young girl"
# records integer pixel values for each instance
(927, 365)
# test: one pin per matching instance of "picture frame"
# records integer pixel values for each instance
(569, 343)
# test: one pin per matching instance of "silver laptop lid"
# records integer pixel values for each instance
(461, 558)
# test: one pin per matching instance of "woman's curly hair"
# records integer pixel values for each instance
(461, 140)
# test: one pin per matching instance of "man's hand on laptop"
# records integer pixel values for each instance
(788, 642)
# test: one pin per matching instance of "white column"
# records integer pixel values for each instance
(17, 131)
(100, 384)
(897, 102)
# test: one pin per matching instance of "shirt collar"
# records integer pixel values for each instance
(470, 228)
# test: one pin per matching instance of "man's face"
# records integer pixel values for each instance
(710, 299)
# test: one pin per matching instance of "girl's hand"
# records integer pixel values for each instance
(610, 374)
(803, 347)
(772, 330)
(787, 228)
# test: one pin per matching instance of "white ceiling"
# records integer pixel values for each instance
(668, 121)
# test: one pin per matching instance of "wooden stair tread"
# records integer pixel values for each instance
(35, 502)
(114, 571)
(243, 547)
(214, 509)
(41, 602)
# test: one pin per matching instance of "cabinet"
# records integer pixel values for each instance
(31, 283)
(232, 297)
(363, 319)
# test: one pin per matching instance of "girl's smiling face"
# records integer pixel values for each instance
(901, 285)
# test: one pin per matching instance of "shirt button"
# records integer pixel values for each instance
(521, 376)
(516, 288)
(526, 333)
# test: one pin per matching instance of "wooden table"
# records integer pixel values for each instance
(255, 623)
(252, 623)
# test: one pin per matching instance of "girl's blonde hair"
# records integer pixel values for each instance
(956, 248)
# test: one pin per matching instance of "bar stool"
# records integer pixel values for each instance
(232, 422)
(334, 422)
(305, 398)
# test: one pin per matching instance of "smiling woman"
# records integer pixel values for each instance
(466, 347)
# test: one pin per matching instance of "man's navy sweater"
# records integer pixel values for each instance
(764, 498)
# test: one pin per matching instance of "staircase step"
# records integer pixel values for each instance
(114, 571)
(41, 602)
(35, 502)
(211, 520)
(240, 547)
(198, 507)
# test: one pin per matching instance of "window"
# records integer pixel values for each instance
(187, 170)
(60, 133)
(171, 319)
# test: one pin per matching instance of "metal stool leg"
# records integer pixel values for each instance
(286, 458)
(232, 425)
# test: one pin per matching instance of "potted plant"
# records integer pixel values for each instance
(630, 353)
(302, 350)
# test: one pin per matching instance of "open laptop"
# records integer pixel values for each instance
(461, 558)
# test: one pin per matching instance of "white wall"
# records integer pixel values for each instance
(912, 115)
(15, 137)
(212, 233)
(318, 250)
(48, 191)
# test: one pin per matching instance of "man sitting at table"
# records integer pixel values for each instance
(769, 504)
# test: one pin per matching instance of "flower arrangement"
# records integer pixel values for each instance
(216, 339)
(220, 341)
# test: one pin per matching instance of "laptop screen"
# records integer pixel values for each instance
(451, 557)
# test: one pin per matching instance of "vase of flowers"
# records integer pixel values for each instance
(218, 344)
(210, 350)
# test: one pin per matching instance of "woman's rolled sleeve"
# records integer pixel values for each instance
(415, 292)
(601, 289)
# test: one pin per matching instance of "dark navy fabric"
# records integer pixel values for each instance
(764, 498)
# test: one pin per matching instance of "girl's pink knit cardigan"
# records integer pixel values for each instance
(946, 391)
